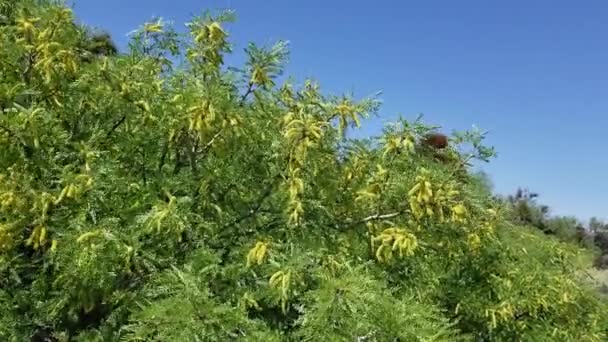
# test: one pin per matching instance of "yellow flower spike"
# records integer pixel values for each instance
(177, 98)
(57, 102)
(419, 198)
(459, 213)
(285, 283)
(153, 28)
(395, 239)
(61, 196)
(26, 25)
(441, 214)
(474, 241)
(453, 193)
(216, 33)
(53, 245)
(145, 106)
(294, 218)
(261, 253)
(85, 237)
(459, 209)
(428, 193)
(399, 243)
(31, 238)
(42, 236)
(257, 254)
(65, 14)
(379, 253)
(275, 278)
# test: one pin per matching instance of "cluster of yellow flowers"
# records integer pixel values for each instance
(347, 112)
(202, 116)
(43, 39)
(280, 280)
(9, 201)
(210, 42)
(302, 131)
(372, 191)
(37, 237)
(257, 254)
(6, 237)
(395, 240)
(426, 202)
(165, 219)
(399, 143)
(74, 189)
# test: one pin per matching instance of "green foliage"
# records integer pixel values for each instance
(160, 195)
(524, 210)
(527, 287)
(347, 305)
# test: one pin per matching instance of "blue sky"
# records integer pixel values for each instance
(533, 73)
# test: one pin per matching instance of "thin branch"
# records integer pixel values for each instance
(26, 74)
(247, 93)
(375, 217)
(143, 166)
(178, 162)
(210, 142)
(163, 156)
(116, 125)
(191, 152)
(380, 217)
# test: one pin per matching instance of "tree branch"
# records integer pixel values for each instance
(375, 217)
(212, 141)
(191, 152)
(116, 125)
(380, 217)
(163, 156)
(247, 93)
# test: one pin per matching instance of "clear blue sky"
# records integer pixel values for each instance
(534, 73)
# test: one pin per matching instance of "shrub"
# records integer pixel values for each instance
(147, 199)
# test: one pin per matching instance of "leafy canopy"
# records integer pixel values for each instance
(156, 195)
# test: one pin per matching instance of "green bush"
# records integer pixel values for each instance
(156, 195)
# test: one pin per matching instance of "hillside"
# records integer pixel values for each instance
(158, 194)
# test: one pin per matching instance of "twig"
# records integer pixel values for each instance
(143, 165)
(116, 125)
(379, 217)
(191, 151)
(375, 217)
(210, 142)
(163, 156)
(26, 74)
(247, 93)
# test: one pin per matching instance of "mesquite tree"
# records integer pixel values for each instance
(158, 195)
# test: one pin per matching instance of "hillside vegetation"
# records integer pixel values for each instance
(158, 195)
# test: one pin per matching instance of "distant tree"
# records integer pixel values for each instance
(566, 228)
(597, 225)
(484, 180)
(94, 44)
(100, 44)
